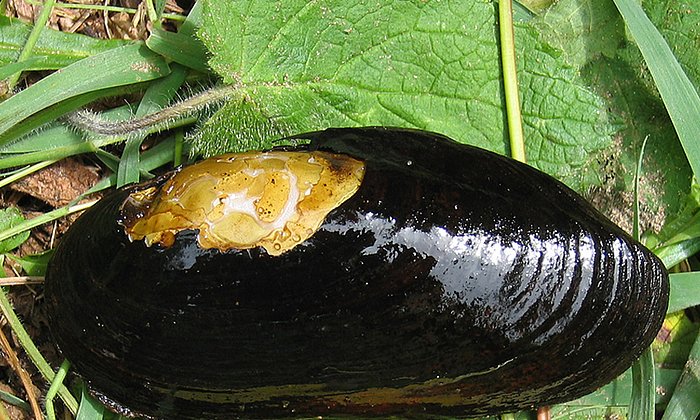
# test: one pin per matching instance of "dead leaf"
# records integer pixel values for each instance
(60, 183)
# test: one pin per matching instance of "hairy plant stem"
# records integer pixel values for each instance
(92, 123)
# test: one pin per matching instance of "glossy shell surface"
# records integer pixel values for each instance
(453, 281)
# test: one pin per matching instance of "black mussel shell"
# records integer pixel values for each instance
(454, 281)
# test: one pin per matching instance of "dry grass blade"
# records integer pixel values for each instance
(21, 281)
(26, 381)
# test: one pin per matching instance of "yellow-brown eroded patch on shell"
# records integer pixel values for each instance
(274, 199)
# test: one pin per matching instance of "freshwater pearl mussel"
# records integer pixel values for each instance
(373, 271)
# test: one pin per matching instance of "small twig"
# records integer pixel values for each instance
(14, 270)
(79, 22)
(23, 375)
(105, 17)
(52, 239)
(20, 281)
(117, 9)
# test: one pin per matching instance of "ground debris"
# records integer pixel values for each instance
(103, 24)
(59, 184)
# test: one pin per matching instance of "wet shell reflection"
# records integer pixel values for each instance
(389, 271)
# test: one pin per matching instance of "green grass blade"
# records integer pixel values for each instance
(180, 48)
(54, 49)
(57, 135)
(54, 112)
(13, 400)
(618, 393)
(178, 148)
(153, 158)
(53, 143)
(121, 66)
(12, 68)
(51, 154)
(643, 387)
(32, 39)
(685, 291)
(674, 254)
(684, 403)
(691, 230)
(637, 175)
(53, 389)
(159, 94)
(71, 149)
(9, 218)
(108, 159)
(193, 21)
(183, 47)
(11, 177)
(155, 10)
(128, 168)
(89, 408)
(679, 95)
(51, 137)
(44, 218)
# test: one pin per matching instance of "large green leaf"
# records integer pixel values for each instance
(431, 65)
(582, 29)
(677, 91)
(679, 23)
(591, 35)
(639, 113)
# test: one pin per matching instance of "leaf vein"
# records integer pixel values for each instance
(278, 34)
